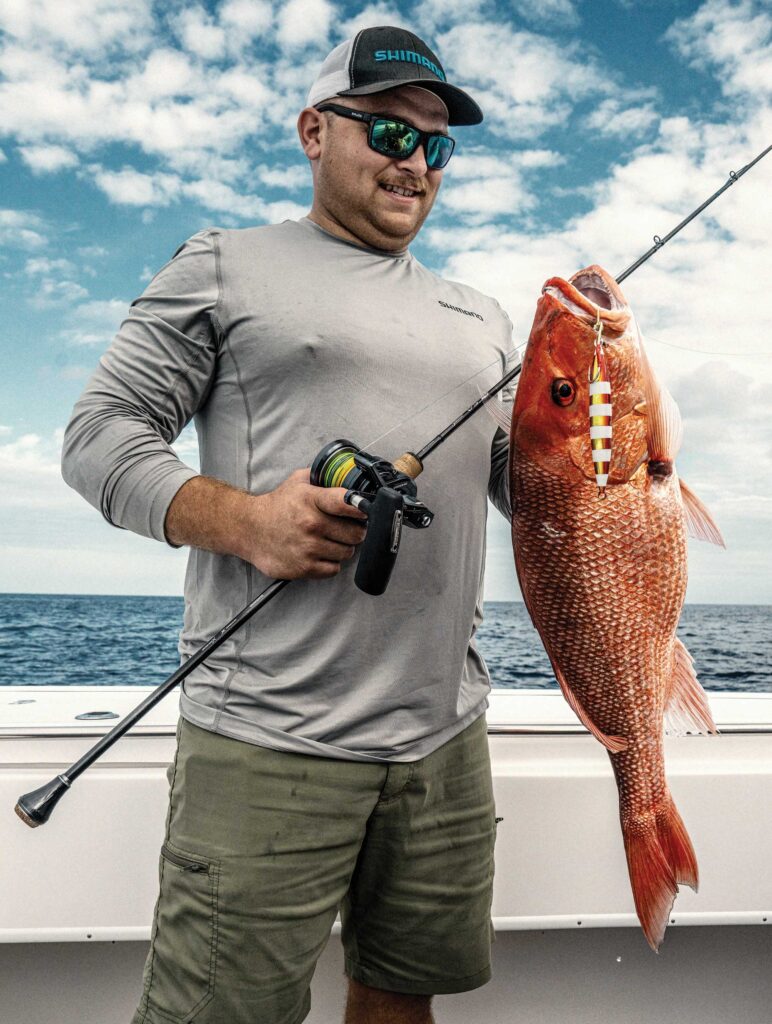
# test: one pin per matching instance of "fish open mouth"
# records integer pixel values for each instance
(591, 293)
(594, 287)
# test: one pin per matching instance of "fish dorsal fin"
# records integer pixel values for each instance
(686, 709)
(664, 429)
(699, 521)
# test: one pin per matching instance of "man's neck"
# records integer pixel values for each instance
(334, 227)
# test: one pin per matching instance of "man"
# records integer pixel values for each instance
(333, 752)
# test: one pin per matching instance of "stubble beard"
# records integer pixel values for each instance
(356, 215)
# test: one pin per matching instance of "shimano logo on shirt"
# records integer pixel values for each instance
(458, 309)
(411, 57)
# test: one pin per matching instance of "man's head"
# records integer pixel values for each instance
(390, 72)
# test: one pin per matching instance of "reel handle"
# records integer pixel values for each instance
(381, 544)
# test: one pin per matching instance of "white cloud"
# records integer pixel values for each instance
(80, 26)
(487, 197)
(303, 23)
(432, 16)
(246, 86)
(20, 228)
(95, 322)
(527, 83)
(246, 19)
(50, 292)
(3, 157)
(482, 187)
(48, 159)
(166, 73)
(29, 472)
(194, 111)
(369, 17)
(611, 117)
(216, 195)
(561, 11)
(133, 188)
(45, 265)
(734, 38)
(39, 510)
(199, 33)
(292, 177)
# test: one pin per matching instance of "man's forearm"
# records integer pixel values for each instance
(207, 513)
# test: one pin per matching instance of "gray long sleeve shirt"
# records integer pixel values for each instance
(278, 340)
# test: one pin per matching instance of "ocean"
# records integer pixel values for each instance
(74, 640)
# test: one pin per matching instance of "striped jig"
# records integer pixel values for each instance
(600, 411)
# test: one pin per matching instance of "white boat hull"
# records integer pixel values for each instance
(78, 893)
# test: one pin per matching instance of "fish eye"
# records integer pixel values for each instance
(563, 391)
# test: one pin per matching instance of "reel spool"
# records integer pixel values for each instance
(386, 494)
(334, 466)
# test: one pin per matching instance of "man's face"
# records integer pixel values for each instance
(349, 177)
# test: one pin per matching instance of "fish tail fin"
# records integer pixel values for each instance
(677, 846)
(651, 877)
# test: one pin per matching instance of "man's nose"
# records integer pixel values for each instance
(415, 163)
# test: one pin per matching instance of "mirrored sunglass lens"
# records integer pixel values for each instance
(392, 138)
(438, 151)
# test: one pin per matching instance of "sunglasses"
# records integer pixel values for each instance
(398, 139)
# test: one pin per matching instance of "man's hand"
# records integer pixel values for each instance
(297, 531)
(302, 531)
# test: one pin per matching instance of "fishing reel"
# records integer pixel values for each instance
(388, 497)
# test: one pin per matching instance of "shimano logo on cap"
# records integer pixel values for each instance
(410, 57)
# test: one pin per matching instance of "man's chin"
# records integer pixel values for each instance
(397, 228)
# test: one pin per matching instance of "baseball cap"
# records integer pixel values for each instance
(385, 57)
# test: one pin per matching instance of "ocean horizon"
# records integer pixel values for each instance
(125, 640)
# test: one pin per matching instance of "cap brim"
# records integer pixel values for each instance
(462, 109)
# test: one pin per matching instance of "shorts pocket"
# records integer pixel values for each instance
(180, 974)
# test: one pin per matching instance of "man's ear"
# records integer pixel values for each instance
(311, 126)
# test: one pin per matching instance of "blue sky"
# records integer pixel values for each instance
(127, 126)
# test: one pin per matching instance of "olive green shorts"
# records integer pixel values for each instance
(263, 848)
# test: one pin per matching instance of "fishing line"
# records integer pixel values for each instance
(705, 351)
(509, 358)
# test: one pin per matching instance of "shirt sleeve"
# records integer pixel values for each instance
(498, 482)
(154, 376)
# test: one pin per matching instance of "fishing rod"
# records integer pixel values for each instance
(383, 490)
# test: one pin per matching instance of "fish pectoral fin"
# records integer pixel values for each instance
(664, 429)
(686, 707)
(500, 407)
(699, 522)
(614, 744)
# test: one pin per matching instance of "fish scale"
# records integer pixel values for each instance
(604, 575)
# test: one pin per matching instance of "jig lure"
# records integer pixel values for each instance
(600, 411)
